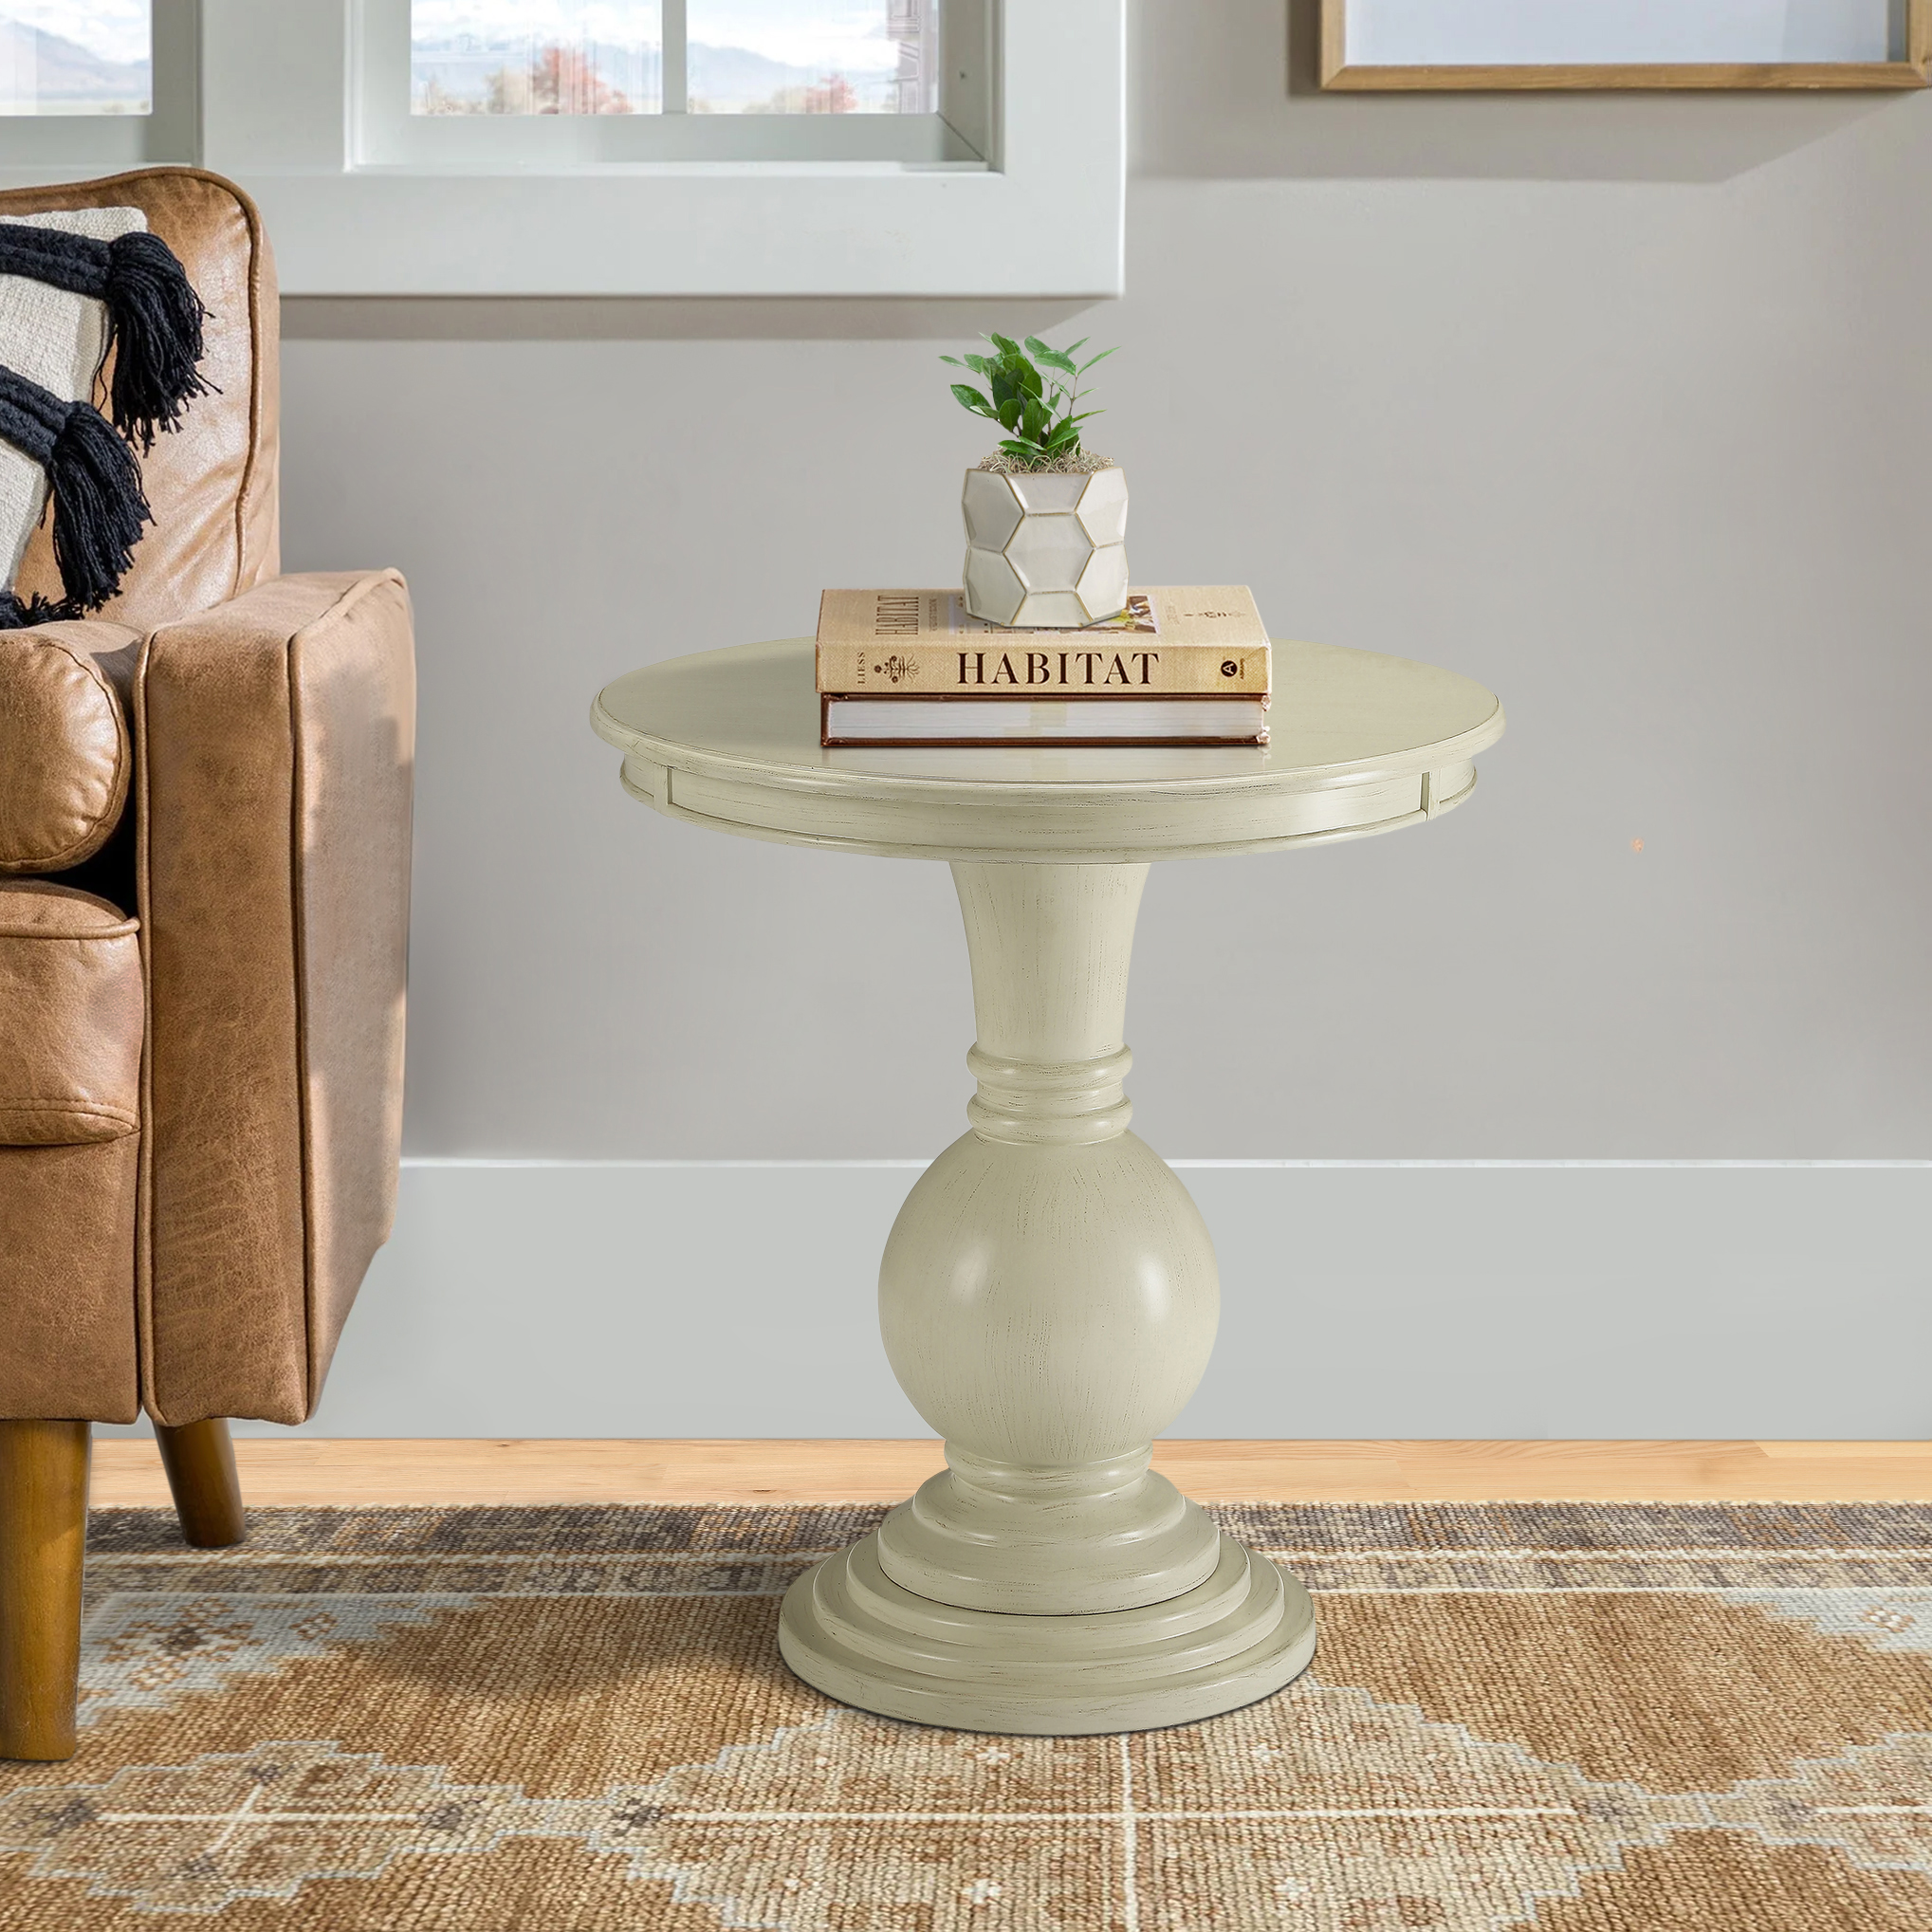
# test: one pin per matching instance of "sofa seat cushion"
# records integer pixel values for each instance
(65, 750)
(70, 1017)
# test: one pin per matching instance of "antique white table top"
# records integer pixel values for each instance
(1360, 744)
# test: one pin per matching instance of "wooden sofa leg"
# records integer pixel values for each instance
(43, 1541)
(200, 1461)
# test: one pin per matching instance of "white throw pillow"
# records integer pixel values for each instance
(56, 340)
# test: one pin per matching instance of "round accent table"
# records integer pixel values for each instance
(1048, 1293)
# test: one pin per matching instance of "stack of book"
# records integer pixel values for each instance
(909, 667)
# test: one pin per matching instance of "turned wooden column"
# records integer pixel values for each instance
(1048, 1297)
(43, 1541)
(1048, 1300)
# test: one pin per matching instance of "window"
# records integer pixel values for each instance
(76, 57)
(89, 85)
(508, 85)
(577, 57)
(760, 57)
(536, 57)
(612, 147)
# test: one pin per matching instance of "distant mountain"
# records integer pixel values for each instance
(67, 75)
(738, 74)
(462, 64)
(734, 73)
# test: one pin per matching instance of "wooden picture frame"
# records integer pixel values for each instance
(1913, 69)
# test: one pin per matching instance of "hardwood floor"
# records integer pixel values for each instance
(301, 1469)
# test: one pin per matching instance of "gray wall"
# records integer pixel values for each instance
(1503, 1301)
(1620, 405)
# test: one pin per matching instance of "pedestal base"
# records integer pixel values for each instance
(852, 1633)
(1047, 1299)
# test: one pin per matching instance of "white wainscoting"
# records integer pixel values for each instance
(719, 1298)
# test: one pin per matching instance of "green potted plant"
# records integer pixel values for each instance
(1045, 520)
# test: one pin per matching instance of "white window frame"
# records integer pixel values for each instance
(1042, 214)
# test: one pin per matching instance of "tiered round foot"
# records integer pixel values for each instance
(852, 1633)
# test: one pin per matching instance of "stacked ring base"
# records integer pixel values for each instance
(849, 1630)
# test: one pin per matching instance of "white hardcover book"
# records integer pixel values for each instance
(1021, 721)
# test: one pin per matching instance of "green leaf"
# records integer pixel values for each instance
(1053, 359)
(1038, 411)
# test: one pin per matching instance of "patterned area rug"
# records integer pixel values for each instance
(1572, 1717)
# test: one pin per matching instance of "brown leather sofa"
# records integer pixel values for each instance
(204, 893)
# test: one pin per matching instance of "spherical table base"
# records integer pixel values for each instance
(852, 1633)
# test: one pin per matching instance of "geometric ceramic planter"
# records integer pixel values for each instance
(1045, 551)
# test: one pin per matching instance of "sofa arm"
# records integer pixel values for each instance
(64, 746)
(275, 745)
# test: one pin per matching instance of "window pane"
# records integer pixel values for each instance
(76, 57)
(536, 57)
(812, 56)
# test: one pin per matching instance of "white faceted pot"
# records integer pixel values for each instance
(1045, 551)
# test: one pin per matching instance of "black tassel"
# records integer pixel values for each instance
(98, 502)
(15, 615)
(153, 325)
(99, 507)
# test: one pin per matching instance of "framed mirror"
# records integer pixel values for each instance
(1476, 44)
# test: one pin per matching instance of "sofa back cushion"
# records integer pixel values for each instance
(212, 482)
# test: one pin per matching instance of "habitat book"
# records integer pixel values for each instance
(1199, 642)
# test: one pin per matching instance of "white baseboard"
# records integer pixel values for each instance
(1400, 1299)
